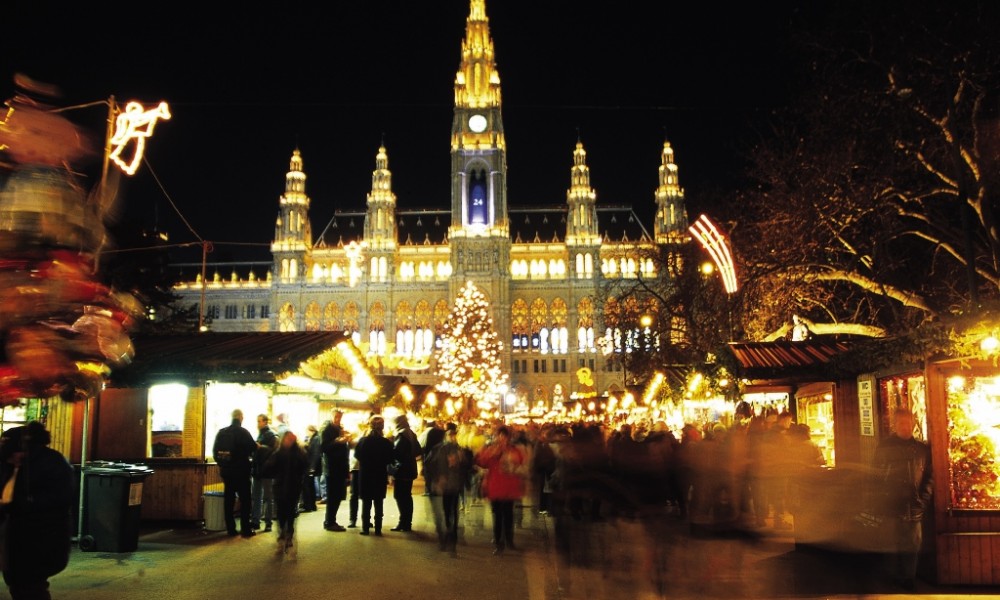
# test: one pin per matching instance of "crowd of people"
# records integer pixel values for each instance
(746, 475)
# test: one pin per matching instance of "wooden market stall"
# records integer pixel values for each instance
(210, 374)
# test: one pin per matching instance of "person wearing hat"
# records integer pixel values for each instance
(36, 506)
(374, 454)
(406, 449)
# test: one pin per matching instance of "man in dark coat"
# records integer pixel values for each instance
(38, 513)
(235, 472)
(374, 454)
(903, 472)
(336, 453)
(406, 449)
(263, 487)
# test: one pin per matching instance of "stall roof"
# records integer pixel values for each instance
(786, 362)
(237, 357)
(785, 354)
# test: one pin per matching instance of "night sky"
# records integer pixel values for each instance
(248, 84)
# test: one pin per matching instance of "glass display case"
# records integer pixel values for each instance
(973, 409)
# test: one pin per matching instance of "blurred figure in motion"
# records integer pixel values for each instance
(37, 484)
(504, 485)
(903, 475)
(287, 467)
(446, 469)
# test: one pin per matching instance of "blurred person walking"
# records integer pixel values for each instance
(232, 451)
(374, 454)
(904, 478)
(287, 467)
(504, 485)
(35, 508)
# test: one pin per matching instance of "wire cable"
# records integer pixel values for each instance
(145, 161)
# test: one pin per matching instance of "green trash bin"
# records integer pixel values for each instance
(112, 505)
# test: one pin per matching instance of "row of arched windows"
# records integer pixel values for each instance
(538, 327)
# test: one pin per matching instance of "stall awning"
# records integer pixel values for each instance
(782, 354)
(786, 362)
(235, 357)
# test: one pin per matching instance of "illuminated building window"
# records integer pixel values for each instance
(286, 318)
(250, 311)
(265, 311)
(331, 317)
(232, 311)
(312, 316)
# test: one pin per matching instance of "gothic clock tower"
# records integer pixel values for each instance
(480, 233)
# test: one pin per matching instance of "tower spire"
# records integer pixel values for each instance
(477, 83)
(671, 216)
(380, 219)
(581, 227)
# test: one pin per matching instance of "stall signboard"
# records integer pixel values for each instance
(866, 407)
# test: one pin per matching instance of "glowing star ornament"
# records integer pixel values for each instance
(135, 123)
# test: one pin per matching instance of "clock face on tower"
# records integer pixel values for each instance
(477, 123)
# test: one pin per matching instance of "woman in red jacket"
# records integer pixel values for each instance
(504, 485)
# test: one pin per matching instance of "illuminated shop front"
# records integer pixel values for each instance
(166, 408)
(963, 427)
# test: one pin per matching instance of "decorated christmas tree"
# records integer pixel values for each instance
(468, 361)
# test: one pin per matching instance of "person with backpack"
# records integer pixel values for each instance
(232, 450)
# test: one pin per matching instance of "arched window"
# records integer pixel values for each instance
(312, 316)
(538, 320)
(423, 342)
(559, 335)
(376, 329)
(585, 325)
(286, 317)
(519, 325)
(331, 317)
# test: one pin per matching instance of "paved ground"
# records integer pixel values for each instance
(607, 559)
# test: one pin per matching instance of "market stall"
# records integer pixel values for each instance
(166, 407)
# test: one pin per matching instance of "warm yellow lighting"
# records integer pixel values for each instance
(308, 384)
(990, 345)
(432, 399)
(956, 383)
(717, 247)
(646, 321)
(707, 268)
(406, 392)
(137, 124)
(695, 382)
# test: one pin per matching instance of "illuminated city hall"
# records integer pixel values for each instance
(389, 276)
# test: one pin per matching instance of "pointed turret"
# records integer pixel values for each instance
(581, 226)
(292, 232)
(671, 221)
(380, 219)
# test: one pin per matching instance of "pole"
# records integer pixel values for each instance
(83, 463)
(201, 306)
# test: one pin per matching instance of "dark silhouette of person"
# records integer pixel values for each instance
(903, 474)
(374, 454)
(406, 449)
(235, 472)
(37, 484)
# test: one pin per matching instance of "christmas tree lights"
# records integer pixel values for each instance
(469, 369)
